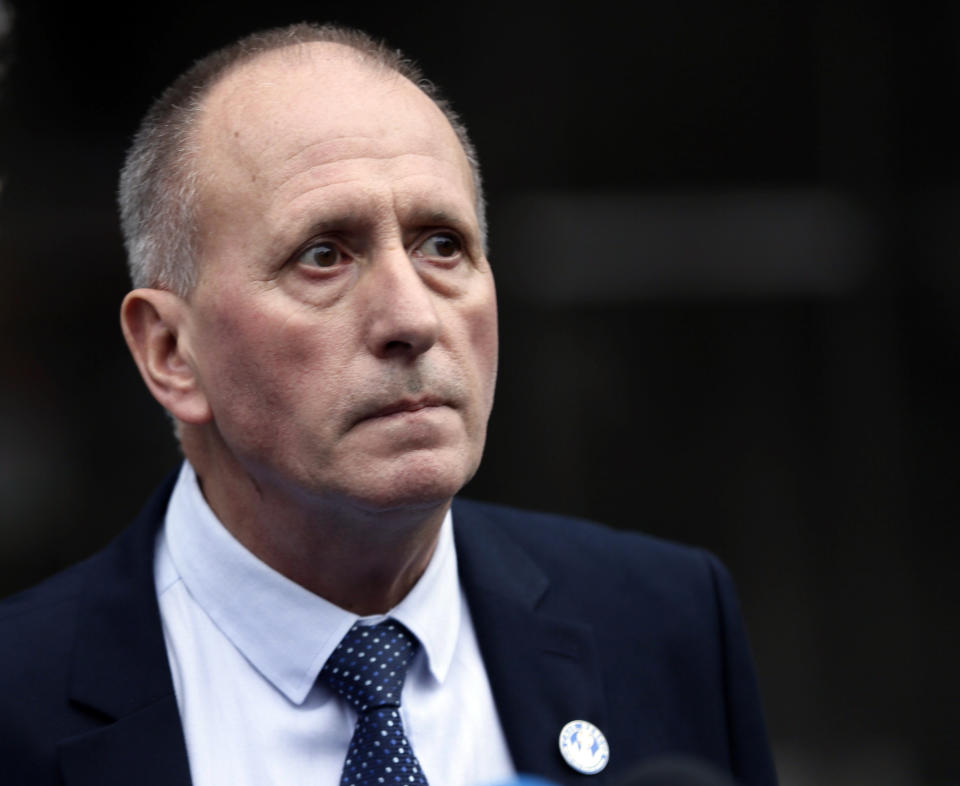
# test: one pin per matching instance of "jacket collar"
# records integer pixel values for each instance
(544, 671)
(120, 670)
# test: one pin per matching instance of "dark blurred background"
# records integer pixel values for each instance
(725, 238)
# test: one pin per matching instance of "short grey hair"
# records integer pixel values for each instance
(159, 181)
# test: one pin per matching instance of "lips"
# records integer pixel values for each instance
(413, 404)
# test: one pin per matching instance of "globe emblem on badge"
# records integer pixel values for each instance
(584, 747)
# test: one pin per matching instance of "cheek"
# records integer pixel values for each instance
(254, 358)
(483, 338)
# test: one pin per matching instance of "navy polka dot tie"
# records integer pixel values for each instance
(367, 669)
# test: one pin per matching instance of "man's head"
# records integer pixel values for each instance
(158, 185)
(337, 342)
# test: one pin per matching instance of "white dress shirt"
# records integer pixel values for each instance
(246, 644)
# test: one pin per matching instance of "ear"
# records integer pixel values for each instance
(154, 324)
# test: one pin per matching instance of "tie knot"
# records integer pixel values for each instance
(369, 665)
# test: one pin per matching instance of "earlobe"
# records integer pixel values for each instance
(154, 323)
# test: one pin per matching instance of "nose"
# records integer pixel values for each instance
(401, 313)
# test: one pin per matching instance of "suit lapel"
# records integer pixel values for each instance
(145, 748)
(543, 670)
(120, 671)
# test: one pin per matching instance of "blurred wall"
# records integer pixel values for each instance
(725, 240)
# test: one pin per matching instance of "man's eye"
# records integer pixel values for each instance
(442, 245)
(321, 255)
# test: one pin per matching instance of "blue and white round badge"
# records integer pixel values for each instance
(584, 747)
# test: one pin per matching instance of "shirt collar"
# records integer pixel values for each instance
(284, 630)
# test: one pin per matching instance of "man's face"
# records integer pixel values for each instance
(343, 327)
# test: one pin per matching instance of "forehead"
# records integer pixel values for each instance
(315, 105)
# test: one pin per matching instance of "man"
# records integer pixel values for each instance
(315, 310)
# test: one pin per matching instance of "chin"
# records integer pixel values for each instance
(418, 482)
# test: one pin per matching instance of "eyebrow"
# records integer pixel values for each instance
(439, 217)
(350, 221)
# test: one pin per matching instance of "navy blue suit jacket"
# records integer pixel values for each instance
(575, 621)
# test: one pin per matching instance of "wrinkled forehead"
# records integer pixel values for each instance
(316, 101)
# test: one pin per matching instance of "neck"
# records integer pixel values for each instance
(361, 560)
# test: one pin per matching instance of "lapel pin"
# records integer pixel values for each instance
(584, 747)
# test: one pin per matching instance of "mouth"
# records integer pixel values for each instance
(405, 406)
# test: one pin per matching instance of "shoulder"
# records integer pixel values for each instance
(680, 594)
(44, 618)
(596, 553)
(44, 611)
(38, 630)
(664, 619)
(62, 636)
